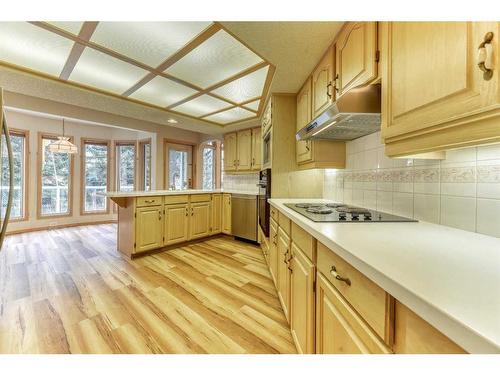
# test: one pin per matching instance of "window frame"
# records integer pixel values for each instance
(215, 161)
(117, 160)
(193, 149)
(141, 155)
(94, 141)
(26, 168)
(40, 216)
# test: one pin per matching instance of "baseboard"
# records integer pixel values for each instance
(59, 226)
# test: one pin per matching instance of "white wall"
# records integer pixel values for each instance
(462, 191)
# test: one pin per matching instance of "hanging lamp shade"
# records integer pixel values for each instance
(63, 146)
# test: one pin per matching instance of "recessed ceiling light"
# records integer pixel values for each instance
(172, 121)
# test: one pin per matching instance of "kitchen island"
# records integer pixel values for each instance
(152, 220)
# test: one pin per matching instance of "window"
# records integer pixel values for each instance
(94, 175)
(179, 166)
(18, 140)
(145, 164)
(208, 167)
(56, 171)
(125, 166)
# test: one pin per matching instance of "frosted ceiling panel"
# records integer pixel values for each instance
(201, 106)
(72, 27)
(216, 59)
(245, 88)
(231, 115)
(148, 42)
(32, 47)
(253, 105)
(105, 72)
(162, 92)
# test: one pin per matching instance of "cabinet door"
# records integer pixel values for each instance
(273, 251)
(256, 149)
(230, 155)
(304, 148)
(434, 94)
(284, 272)
(322, 90)
(216, 213)
(356, 56)
(226, 213)
(176, 223)
(199, 223)
(302, 301)
(149, 228)
(244, 149)
(339, 329)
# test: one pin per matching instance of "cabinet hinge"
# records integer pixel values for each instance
(134, 245)
(377, 56)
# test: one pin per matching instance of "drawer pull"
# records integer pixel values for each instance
(334, 273)
(149, 201)
(485, 56)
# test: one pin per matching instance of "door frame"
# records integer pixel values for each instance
(194, 153)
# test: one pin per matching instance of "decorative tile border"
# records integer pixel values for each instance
(488, 173)
(458, 174)
(426, 175)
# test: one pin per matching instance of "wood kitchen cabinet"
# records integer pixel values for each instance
(273, 251)
(356, 56)
(304, 116)
(256, 163)
(302, 279)
(434, 94)
(176, 223)
(149, 228)
(322, 83)
(244, 150)
(226, 213)
(216, 213)
(199, 223)
(284, 270)
(230, 155)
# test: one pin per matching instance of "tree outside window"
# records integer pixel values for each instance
(18, 150)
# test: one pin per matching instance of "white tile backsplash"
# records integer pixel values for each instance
(462, 191)
(242, 182)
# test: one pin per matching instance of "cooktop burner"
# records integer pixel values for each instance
(340, 212)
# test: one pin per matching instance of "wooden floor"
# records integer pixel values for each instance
(71, 291)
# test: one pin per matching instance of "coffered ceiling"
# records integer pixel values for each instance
(197, 69)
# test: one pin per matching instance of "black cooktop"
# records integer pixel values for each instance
(339, 212)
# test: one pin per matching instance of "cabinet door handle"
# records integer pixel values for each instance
(149, 201)
(328, 90)
(187, 213)
(484, 56)
(335, 85)
(192, 211)
(253, 161)
(307, 146)
(334, 273)
(159, 215)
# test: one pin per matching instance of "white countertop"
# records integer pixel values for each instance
(448, 276)
(140, 193)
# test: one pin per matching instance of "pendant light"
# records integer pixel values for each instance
(63, 145)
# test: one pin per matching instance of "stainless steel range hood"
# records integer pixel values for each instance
(353, 115)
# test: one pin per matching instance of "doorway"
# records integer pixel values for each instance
(179, 166)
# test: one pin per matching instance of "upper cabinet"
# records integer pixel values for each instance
(356, 56)
(230, 156)
(244, 147)
(322, 83)
(304, 151)
(242, 151)
(440, 86)
(256, 162)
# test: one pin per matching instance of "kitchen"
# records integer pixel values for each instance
(210, 190)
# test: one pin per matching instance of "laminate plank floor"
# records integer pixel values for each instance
(71, 291)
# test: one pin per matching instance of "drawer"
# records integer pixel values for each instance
(149, 201)
(367, 298)
(274, 213)
(284, 223)
(173, 199)
(200, 198)
(304, 241)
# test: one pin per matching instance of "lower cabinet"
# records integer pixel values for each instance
(176, 223)
(216, 213)
(226, 213)
(302, 301)
(199, 223)
(284, 271)
(149, 228)
(273, 251)
(339, 329)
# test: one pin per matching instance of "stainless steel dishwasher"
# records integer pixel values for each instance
(244, 217)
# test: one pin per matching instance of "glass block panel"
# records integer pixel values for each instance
(218, 58)
(201, 106)
(231, 115)
(148, 42)
(162, 92)
(32, 47)
(245, 88)
(105, 72)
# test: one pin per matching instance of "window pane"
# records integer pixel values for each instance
(55, 180)
(208, 180)
(126, 167)
(177, 169)
(96, 176)
(146, 166)
(17, 142)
